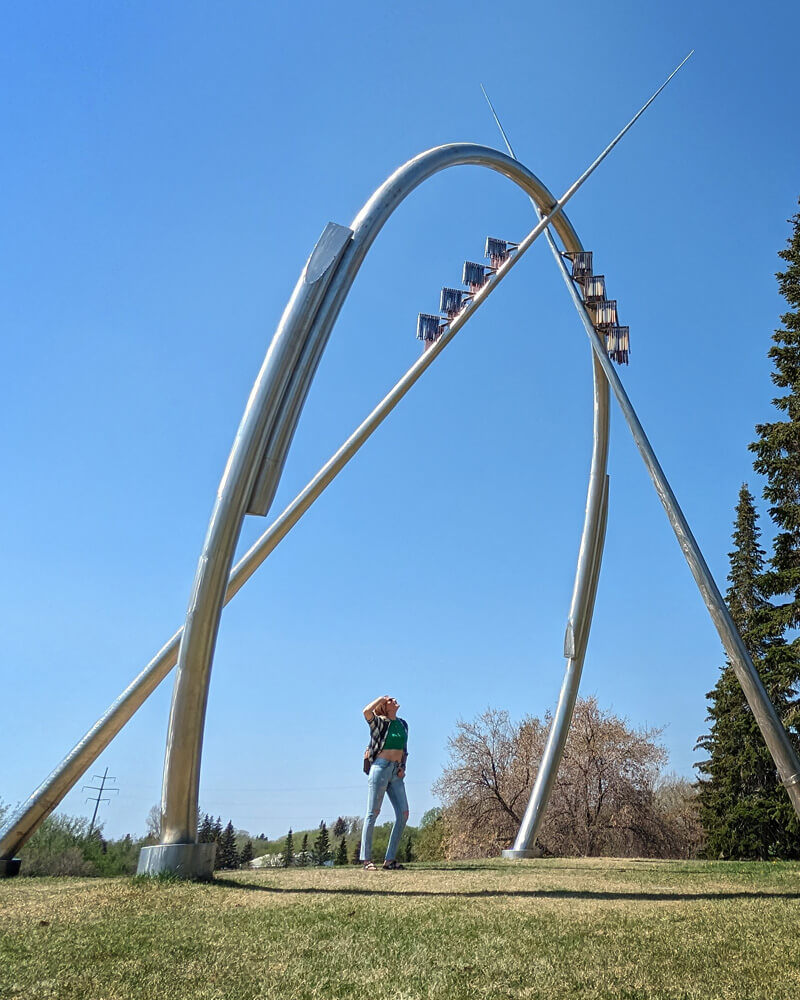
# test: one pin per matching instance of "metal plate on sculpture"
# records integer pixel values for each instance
(328, 251)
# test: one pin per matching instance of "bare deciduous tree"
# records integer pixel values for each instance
(486, 784)
(604, 800)
(678, 801)
(153, 821)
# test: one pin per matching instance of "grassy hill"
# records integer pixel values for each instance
(548, 928)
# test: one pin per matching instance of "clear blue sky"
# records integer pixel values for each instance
(166, 170)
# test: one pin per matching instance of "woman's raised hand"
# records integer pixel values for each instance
(376, 707)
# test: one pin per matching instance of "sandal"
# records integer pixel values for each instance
(393, 866)
(369, 867)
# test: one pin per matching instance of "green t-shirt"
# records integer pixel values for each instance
(397, 737)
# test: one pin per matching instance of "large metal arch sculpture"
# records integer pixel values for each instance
(259, 452)
(250, 481)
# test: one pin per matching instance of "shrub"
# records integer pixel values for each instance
(63, 845)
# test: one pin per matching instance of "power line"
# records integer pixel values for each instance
(102, 778)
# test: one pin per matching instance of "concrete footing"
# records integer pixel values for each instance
(190, 861)
(533, 852)
(9, 867)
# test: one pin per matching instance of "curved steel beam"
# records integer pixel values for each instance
(774, 733)
(577, 635)
(784, 755)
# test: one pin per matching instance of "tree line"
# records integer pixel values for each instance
(65, 845)
(341, 845)
(228, 854)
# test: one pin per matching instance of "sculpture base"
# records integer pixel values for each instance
(9, 867)
(190, 861)
(532, 852)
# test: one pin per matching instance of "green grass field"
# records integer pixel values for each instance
(550, 928)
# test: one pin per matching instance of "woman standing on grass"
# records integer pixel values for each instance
(385, 763)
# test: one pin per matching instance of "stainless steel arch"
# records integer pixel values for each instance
(26, 819)
(252, 474)
(259, 451)
(46, 797)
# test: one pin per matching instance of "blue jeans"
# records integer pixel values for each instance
(382, 780)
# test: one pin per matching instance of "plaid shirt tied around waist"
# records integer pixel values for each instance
(378, 729)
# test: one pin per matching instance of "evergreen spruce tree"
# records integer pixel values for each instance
(356, 859)
(745, 810)
(212, 830)
(205, 831)
(216, 829)
(777, 452)
(247, 854)
(227, 854)
(322, 846)
(339, 827)
(288, 851)
(409, 852)
(303, 856)
(341, 852)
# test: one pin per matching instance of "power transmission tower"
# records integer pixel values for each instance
(102, 778)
